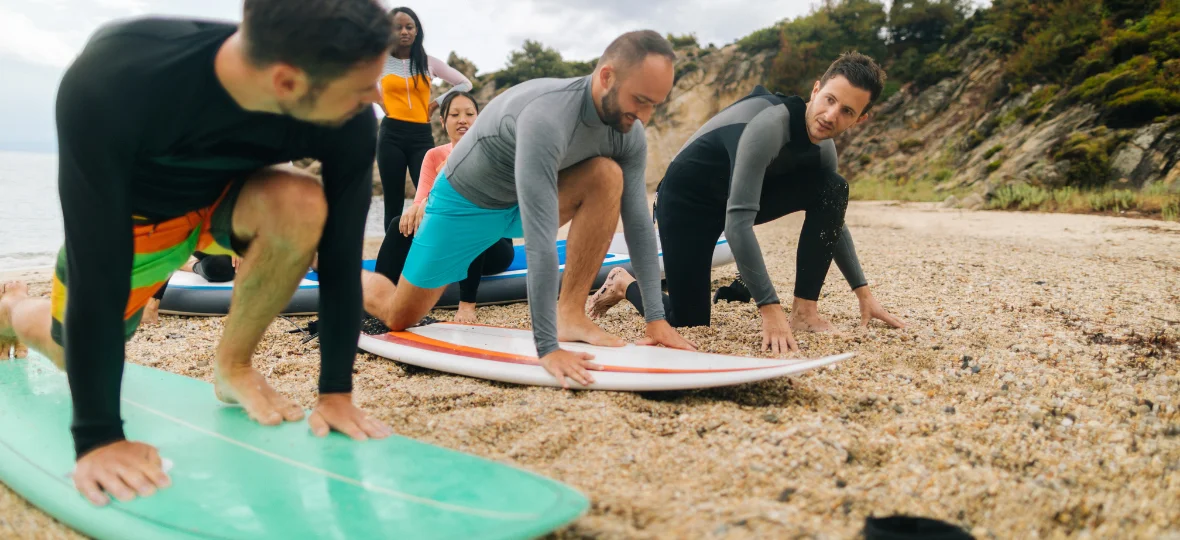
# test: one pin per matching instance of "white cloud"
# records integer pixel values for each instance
(22, 38)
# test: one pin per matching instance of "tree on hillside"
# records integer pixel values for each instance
(918, 29)
(810, 43)
(535, 61)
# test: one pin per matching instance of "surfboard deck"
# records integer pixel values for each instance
(509, 355)
(234, 479)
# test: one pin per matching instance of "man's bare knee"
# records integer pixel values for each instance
(609, 177)
(295, 208)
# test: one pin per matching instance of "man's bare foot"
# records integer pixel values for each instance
(151, 313)
(11, 293)
(579, 327)
(810, 323)
(613, 291)
(248, 388)
(466, 313)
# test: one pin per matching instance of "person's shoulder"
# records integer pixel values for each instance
(124, 51)
(440, 152)
(548, 90)
(159, 29)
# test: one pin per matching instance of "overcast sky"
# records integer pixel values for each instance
(39, 38)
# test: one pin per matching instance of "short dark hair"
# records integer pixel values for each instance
(325, 38)
(445, 108)
(632, 48)
(861, 71)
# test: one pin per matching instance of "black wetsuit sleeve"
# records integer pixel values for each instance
(844, 252)
(97, 134)
(348, 186)
(760, 143)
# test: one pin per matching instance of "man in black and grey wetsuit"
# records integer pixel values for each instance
(763, 157)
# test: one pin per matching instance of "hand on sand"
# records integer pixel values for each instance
(123, 469)
(776, 332)
(871, 309)
(562, 364)
(662, 333)
(336, 411)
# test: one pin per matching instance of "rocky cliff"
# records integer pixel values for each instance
(952, 134)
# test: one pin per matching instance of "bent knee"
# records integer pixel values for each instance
(293, 205)
(609, 175)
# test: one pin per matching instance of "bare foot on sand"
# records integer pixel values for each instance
(810, 323)
(248, 388)
(613, 291)
(466, 313)
(578, 327)
(11, 293)
(151, 313)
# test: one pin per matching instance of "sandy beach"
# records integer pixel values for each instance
(1035, 393)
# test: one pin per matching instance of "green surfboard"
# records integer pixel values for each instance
(232, 478)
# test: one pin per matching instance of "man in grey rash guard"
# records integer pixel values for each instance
(761, 158)
(543, 153)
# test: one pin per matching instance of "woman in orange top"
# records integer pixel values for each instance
(459, 111)
(405, 134)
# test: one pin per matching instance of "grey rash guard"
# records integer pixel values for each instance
(753, 137)
(512, 155)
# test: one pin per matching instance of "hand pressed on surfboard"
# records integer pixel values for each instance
(336, 411)
(662, 333)
(776, 331)
(562, 364)
(123, 469)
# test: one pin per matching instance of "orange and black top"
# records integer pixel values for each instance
(406, 95)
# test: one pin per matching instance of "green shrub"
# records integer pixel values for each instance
(1115, 200)
(686, 40)
(972, 140)
(1171, 211)
(685, 69)
(935, 68)
(1063, 195)
(992, 166)
(1142, 106)
(992, 151)
(1089, 165)
(909, 144)
(760, 40)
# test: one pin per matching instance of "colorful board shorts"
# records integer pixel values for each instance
(454, 231)
(161, 248)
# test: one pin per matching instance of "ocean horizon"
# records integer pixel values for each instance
(31, 230)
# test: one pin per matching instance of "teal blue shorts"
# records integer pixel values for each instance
(454, 231)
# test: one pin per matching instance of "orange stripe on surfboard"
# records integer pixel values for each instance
(410, 339)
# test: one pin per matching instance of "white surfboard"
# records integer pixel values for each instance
(509, 355)
(722, 254)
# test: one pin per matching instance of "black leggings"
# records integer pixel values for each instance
(214, 268)
(689, 231)
(400, 145)
(396, 247)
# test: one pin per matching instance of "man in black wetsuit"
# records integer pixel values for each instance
(763, 157)
(169, 133)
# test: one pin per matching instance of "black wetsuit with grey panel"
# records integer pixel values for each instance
(750, 164)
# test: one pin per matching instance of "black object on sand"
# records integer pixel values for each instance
(909, 527)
